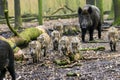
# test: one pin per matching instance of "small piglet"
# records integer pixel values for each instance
(55, 39)
(44, 40)
(35, 51)
(113, 37)
(64, 45)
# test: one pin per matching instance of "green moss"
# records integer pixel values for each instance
(97, 41)
(13, 45)
(61, 62)
(75, 57)
(71, 57)
(72, 74)
(73, 30)
(117, 22)
(101, 48)
(30, 34)
(19, 58)
(16, 49)
(111, 15)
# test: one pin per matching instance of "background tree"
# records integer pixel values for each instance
(18, 20)
(116, 4)
(2, 8)
(111, 13)
(92, 2)
(40, 12)
(99, 4)
(78, 3)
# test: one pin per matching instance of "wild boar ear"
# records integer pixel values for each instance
(79, 10)
(90, 10)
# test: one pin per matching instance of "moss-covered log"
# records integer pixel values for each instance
(75, 57)
(70, 65)
(65, 16)
(101, 48)
(13, 45)
(61, 62)
(72, 74)
(26, 36)
(68, 60)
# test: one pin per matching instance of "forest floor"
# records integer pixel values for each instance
(101, 65)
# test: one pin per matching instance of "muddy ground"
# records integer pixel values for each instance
(100, 65)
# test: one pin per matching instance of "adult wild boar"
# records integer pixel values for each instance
(89, 19)
(6, 60)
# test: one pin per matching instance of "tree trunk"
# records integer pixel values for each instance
(2, 8)
(25, 36)
(99, 4)
(18, 20)
(92, 2)
(78, 2)
(116, 4)
(40, 12)
(111, 14)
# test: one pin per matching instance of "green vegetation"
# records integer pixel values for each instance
(68, 60)
(40, 19)
(31, 6)
(30, 34)
(73, 30)
(101, 48)
(7, 19)
(72, 74)
(117, 22)
(61, 62)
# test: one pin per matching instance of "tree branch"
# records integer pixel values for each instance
(7, 19)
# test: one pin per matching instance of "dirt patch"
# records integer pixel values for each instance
(98, 65)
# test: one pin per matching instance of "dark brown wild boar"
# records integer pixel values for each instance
(6, 60)
(89, 19)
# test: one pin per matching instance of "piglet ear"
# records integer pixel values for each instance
(90, 10)
(79, 10)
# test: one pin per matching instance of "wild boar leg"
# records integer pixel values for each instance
(99, 30)
(83, 34)
(91, 34)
